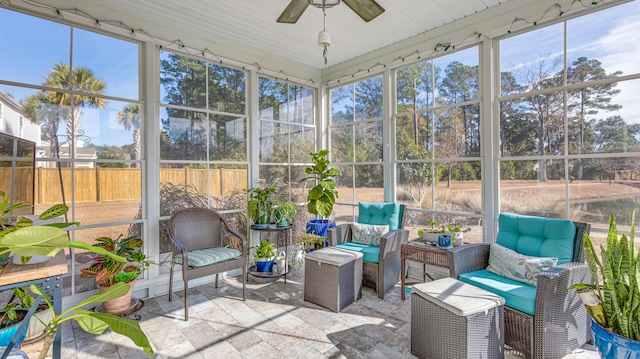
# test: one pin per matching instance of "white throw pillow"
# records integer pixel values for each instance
(513, 265)
(368, 233)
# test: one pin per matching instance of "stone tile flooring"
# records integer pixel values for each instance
(274, 322)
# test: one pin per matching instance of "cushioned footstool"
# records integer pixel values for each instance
(452, 319)
(332, 277)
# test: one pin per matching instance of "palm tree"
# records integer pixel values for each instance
(51, 106)
(129, 117)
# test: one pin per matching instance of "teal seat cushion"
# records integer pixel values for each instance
(381, 213)
(369, 253)
(205, 257)
(537, 236)
(517, 295)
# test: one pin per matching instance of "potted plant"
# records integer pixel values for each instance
(323, 195)
(435, 231)
(265, 253)
(108, 271)
(41, 316)
(305, 243)
(283, 212)
(612, 300)
(10, 320)
(260, 205)
(5, 210)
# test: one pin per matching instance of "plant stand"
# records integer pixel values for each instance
(49, 276)
(288, 231)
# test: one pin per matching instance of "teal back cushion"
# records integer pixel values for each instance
(537, 236)
(381, 213)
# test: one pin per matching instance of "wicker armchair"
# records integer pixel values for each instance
(204, 235)
(560, 321)
(384, 273)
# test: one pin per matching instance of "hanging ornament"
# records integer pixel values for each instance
(324, 38)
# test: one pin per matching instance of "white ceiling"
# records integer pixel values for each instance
(252, 23)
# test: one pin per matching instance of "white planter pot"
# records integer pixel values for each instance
(33, 260)
(458, 239)
(430, 237)
(36, 328)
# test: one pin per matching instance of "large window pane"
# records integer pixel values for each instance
(413, 136)
(415, 183)
(182, 80)
(531, 61)
(119, 81)
(609, 186)
(532, 125)
(227, 89)
(457, 132)
(184, 135)
(368, 141)
(47, 37)
(459, 188)
(522, 191)
(459, 78)
(414, 87)
(227, 138)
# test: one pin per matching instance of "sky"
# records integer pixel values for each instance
(36, 45)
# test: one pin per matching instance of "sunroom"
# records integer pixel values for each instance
(459, 110)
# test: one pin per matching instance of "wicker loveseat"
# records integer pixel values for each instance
(546, 320)
(381, 264)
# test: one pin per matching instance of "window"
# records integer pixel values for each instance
(356, 131)
(569, 125)
(203, 137)
(287, 135)
(88, 143)
(437, 124)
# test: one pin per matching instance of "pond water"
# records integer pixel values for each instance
(600, 211)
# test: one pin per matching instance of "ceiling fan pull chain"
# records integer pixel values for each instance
(324, 39)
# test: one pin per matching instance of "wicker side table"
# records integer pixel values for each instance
(333, 277)
(424, 253)
(455, 320)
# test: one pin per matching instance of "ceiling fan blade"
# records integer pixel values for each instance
(366, 9)
(293, 11)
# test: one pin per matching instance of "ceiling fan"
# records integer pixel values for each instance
(366, 9)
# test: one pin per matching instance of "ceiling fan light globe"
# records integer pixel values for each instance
(324, 39)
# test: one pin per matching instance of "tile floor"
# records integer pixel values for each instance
(274, 322)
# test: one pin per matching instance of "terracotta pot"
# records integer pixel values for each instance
(118, 305)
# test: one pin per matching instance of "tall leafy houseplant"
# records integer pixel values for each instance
(613, 300)
(323, 195)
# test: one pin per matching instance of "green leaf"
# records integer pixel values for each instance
(88, 322)
(126, 327)
(115, 291)
(82, 245)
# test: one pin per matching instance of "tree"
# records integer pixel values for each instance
(129, 117)
(50, 106)
(587, 101)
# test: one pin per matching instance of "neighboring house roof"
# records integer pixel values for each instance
(9, 101)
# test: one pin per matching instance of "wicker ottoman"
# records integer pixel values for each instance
(333, 277)
(452, 319)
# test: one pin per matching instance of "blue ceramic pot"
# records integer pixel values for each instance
(444, 240)
(613, 346)
(320, 226)
(264, 265)
(7, 333)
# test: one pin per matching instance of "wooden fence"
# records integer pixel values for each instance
(115, 184)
